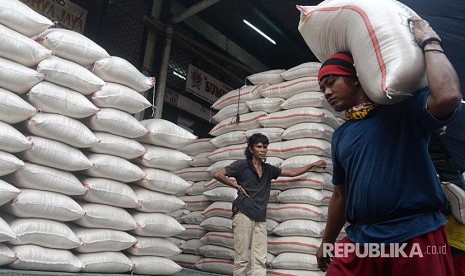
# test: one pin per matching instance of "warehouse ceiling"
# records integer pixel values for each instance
(276, 18)
(279, 19)
(218, 26)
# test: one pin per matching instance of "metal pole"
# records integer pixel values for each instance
(149, 53)
(161, 82)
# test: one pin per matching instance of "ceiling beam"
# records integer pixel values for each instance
(192, 10)
(276, 24)
(220, 40)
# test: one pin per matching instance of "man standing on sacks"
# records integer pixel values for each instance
(253, 177)
(385, 185)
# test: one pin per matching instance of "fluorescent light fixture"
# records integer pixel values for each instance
(259, 31)
(179, 75)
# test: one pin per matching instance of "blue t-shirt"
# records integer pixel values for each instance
(258, 188)
(384, 163)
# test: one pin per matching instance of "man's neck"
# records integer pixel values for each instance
(361, 99)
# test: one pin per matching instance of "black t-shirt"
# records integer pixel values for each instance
(254, 207)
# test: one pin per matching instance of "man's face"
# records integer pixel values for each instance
(259, 151)
(340, 93)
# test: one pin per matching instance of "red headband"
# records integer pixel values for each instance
(341, 64)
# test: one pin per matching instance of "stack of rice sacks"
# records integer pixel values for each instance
(160, 206)
(288, 107)
(76, 190)
(192, 219)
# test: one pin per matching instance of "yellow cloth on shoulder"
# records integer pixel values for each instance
(360, 111)
(455, 232)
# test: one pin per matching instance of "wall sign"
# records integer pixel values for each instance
(68, 15)
(204, 86)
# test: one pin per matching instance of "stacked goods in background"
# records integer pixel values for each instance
(82, 190)
(192, 219)
(158, 192)
(288, 107)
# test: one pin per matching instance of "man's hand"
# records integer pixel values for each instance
(242, 191)
(422, 30)
(323, 261)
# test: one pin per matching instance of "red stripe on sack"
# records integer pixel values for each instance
(210, 184)
(219, 235)
(293, 243)
(295, 115)
(232, 97)
(309, 80)
(295, 148)
(374, 39)
(197, 202)
(242, 121)
(214, 262)
(194, 228)
(215, 182)
(190, 171)
(294, 207)
(226, 150)
(296, 180)
(236, 96)
(215, 209)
